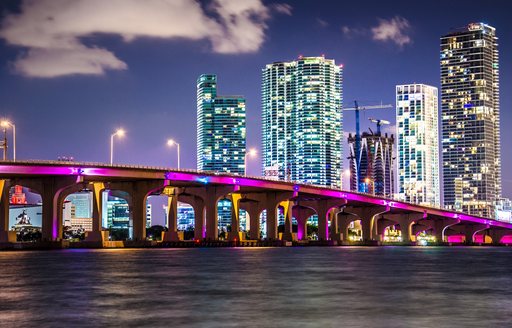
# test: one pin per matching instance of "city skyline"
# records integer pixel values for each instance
(141, 109)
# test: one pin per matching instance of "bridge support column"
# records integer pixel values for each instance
(137, 194)
(344, 220)
(334, 233)
(50, 189)
(138, 213)
(497, 234)
(406, 220)
(254, 224)
(210, 197)
(197, 204)
(440, 226)
(234, 234)
(97, 235)
(367, 216)
(271, 205)
(172, 215)
(6, 236)
(287, 211)
(323, 209)
(472, 231)
(302, 214)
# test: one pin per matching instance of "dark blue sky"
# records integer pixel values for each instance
(150, 89)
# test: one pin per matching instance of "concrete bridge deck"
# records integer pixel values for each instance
(336, 209)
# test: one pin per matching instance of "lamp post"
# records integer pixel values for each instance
(252, 152)
(368, 180)
(171, 143)
(120, 133)
(7, 124)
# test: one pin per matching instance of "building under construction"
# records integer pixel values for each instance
(375, 162)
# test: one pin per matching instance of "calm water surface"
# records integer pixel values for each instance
(258, 287)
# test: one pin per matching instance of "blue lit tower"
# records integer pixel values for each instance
(471, 119)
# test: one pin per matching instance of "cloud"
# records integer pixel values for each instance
(52, 31)
(350, 32)
(322, 23)
(393, 30)
(283, 8)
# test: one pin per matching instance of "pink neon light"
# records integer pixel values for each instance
(506, 239)
(456, 239)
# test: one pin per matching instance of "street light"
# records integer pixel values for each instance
(120, 133)
(368, 180)
(252, 152)
(171, 143)
(7, 124)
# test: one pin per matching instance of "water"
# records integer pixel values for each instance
(258, 287)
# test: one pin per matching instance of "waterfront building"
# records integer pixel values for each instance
(221, 135)
(471, 119)
(302, 121)
(81, 204)
(220, 129)
(18, 196)
(118, 214)
(185, 216)
(418, 144)
(504, 210)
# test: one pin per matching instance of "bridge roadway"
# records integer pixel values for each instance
(336, 209)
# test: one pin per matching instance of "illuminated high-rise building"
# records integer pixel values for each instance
(417, 119)
(302, 121)
(471, 119)
(220, 128)
(221, 144)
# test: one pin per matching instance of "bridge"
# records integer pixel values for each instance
(336, 209)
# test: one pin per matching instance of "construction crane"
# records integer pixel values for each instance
(357, 148)
(379, 123)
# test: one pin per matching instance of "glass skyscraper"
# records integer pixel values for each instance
(221, 136)
(302, 121)
(471, 119)
(220, 128)
(417, 121)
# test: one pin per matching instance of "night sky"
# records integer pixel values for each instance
(71, 72)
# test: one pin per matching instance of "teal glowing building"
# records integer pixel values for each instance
(221, 134)
(302, 121)
(220, 129)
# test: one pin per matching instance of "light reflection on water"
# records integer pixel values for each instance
(258, 287)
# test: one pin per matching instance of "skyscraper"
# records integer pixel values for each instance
(471, 119)
(302, 120)
(376, 164)
(221, 144)
(417, 122)
(220, 128)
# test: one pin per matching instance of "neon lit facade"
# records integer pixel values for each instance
(471, 119)
(220, 129)
(418, 144)
(302, 120)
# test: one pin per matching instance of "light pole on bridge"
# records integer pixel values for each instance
(6, 124)
(171, 143)
(252, 152)
(120, 133)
